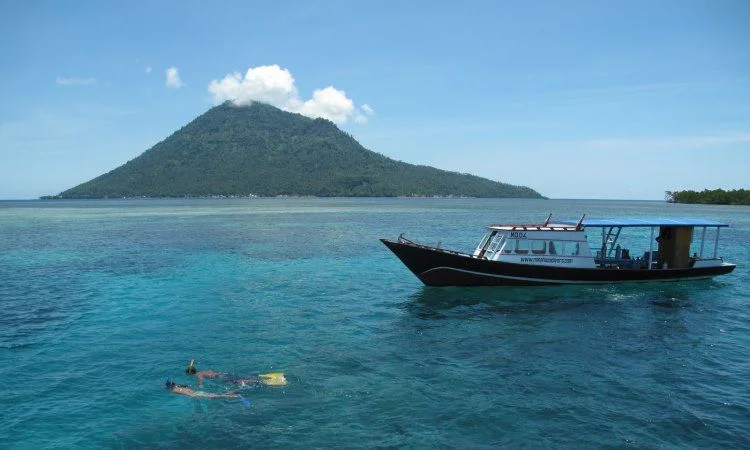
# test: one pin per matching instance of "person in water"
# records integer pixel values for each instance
(203, 374)
(190, 392)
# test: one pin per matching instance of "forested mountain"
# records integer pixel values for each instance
(261, 150)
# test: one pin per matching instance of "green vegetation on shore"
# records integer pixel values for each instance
(259, 150)
(710, 197)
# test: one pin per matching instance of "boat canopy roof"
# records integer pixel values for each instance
(647, 222)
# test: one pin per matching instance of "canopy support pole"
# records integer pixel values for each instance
(716, 243)
(703, 241)
(651, 249)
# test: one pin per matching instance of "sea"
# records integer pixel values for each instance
(102, 301)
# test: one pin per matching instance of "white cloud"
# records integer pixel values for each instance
(148, 69)
(275, 86)
(75, 81)
(328, 103)
(269, 84)
(368, 109)
(173, 78)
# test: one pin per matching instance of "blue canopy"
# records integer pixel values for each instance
(646, 222)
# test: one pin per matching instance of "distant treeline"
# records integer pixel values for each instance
(710, 197)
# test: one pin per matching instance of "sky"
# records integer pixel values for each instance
(576, 99)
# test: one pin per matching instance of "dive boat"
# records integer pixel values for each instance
(559, 253)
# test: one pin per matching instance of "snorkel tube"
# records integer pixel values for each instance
(190, 370)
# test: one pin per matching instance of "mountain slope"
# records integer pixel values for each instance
(261, 150)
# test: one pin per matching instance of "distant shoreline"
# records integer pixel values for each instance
(217, 197)
(709, 197)
(55, 198)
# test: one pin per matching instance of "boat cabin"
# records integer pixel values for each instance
(547, 244)
(566, 244)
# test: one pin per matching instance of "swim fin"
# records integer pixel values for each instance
(273, 379)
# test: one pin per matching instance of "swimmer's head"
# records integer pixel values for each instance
(169, 384)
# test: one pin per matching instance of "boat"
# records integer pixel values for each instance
(559, 253)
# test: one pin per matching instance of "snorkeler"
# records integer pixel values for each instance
(203, 374)
(268, 379)
(190, 392)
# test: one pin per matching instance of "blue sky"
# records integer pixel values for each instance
(577, 99)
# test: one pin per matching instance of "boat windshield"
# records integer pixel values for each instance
(490, 244)
(495, 245)
(483, 243)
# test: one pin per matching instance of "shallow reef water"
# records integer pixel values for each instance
(103, 300)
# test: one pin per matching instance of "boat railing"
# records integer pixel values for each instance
(403, 240)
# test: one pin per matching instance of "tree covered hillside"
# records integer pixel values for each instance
(711, 197)
(261, 150)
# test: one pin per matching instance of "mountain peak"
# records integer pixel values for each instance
(259, 149)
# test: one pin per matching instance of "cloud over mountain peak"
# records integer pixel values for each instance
(276, 86)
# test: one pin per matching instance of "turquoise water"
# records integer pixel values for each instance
(101, 300)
